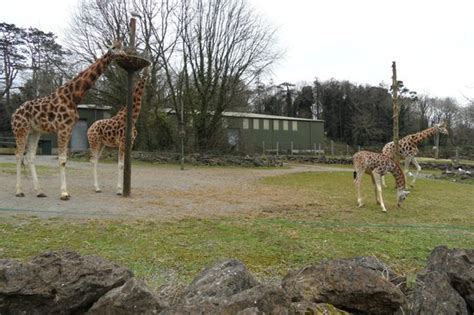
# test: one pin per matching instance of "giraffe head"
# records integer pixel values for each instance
(116, 48)
(442, 128)
(402, 194)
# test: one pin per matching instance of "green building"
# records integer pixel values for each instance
(249, 132)
(259, 133)
(88, 114)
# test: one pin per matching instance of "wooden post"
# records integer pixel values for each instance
(291, 147)
(396, 111)
(332, 147)
(127, 164)
(347, 149)
(277, 147)
(437, 145)
(182, 133)
(263, 147)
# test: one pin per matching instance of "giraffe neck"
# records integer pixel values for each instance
(424, 134)
(137, 99)
(398, 175)
(76, 88)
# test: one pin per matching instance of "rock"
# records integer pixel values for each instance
(56, 283)
(433, 294)
(134, 297)
(299, 308)
(257, 300)
(346, 284)
(219, 281)
(203, 308)
(458, 264)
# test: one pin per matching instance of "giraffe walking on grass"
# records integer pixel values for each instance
(377, 165)
(55, 113)
(408, 148)
(111, 133)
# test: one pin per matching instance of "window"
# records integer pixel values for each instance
(285, 124)
(245, 123)
(266, 124)
(276, 125)
(255, 124)
(295, 126)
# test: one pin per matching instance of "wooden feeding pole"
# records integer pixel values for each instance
(131, 63)
(396, 111)
(127, 171)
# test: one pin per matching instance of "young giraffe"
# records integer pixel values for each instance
(55, 113)
(111, 133)
(408, 148)
(377, 165)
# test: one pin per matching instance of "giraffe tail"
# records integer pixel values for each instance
(354, 174)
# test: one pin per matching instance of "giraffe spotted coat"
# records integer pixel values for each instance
(111, 133)
(54, 113)
(377, 165)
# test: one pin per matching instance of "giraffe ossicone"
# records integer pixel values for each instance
(55, 113)
(110, 132)
(377, 165)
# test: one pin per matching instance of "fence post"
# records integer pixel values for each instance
(277, 147)
(332, 147)
(457, 154)
(263, 147)
(319, 147)
(347, 149)
(291, 147)
(315, 148)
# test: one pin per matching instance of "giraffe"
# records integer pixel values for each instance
(55, 113)
(377, 165)
(111, 133)
(408, 148)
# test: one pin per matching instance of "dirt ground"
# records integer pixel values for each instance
(158, 191)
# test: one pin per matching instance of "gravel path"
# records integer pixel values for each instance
(158, 191)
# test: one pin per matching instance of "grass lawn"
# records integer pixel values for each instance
(326, 224)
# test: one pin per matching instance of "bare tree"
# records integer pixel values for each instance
(12, 58)
(204, 53)
(225, 46)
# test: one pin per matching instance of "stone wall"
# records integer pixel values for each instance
(67, 283)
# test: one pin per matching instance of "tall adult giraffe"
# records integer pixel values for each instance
(111, 133)
(55, 113)
(408, 148)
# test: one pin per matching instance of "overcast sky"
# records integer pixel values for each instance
(431, 41)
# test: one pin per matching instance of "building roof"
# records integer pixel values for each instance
(255, 115)
(94, 106)
(264, 116)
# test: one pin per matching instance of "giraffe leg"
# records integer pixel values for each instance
(121, 156)
(378, 186)
(96, 151)
(407, 166)
(375, 188)
(63, 140)
(33, 139)
(418, 169)
(383, 182)
(20, 150)
(358, 182)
